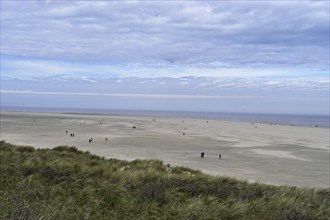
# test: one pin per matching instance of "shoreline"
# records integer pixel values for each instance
(263, 153)
(181, 114)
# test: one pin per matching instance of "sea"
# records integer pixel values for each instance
(281, 119)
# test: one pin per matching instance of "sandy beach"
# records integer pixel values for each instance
(275, 154)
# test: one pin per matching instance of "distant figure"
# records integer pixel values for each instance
(202, 154)
(183, 134)
(89, 141)
(134, 127)
(316, 126)
(220, 156)
(72, 134)
(106, 139)
(207, 121)
(66, 132)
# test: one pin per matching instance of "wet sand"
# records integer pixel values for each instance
(275, 154)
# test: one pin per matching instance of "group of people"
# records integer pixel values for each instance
(72, 134)
(89, 140)
(203, 154)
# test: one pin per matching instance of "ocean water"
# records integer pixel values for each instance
(281, 119)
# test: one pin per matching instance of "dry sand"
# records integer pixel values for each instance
(281, 155)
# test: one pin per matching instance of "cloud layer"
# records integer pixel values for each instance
(262, 56)
(234, 34)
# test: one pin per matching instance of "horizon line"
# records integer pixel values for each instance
(133, 95)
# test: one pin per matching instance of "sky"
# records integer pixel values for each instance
(223, 56)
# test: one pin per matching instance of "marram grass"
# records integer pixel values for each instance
(65, 183)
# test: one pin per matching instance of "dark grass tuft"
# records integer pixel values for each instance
(66, 149)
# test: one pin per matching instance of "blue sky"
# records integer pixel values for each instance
(253, 56)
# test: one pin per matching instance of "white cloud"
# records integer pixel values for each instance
(31, 69)
(242, 34)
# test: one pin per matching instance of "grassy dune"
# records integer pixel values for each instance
(65, 183)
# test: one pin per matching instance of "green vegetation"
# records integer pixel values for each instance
(65, 183)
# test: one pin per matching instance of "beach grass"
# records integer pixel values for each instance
(65, 183)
